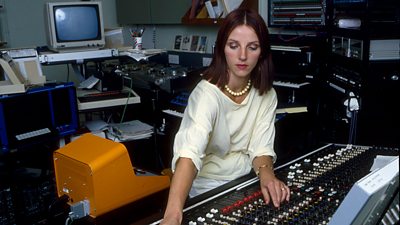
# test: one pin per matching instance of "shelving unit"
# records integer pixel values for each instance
(134, 98)
(364, 61)
(253, 4)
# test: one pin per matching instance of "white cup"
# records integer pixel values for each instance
(137, 43)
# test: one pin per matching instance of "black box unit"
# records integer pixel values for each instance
(379, 122)
(37, 116)
(302, 13)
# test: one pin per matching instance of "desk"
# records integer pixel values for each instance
(81, 56)
(78, 57)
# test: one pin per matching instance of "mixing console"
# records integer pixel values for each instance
(319, 181)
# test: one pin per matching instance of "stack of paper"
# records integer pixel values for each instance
(131, 130)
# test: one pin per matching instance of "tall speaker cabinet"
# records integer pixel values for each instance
(363, 72)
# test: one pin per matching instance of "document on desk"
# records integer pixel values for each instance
(130, 130)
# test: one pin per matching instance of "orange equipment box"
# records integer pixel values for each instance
(100, 171)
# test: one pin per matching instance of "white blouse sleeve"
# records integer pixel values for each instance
(263, 135)
(193, 135)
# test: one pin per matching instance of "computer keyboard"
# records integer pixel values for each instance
(173, 113)
(290, 84)
(31, 134)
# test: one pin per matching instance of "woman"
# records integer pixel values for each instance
(228, 125)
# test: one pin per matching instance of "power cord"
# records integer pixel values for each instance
(115, 133)
(127, 99)
(78, 210)
(70, 219)
(352, 108)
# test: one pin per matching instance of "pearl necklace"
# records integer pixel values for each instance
(240, 93)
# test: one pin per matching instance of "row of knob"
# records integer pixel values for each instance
(314, 196)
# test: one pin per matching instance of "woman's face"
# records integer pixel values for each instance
(242, 51)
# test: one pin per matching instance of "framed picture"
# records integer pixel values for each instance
(186, 43)
(202, 44)
(194, 43)
(178, 42)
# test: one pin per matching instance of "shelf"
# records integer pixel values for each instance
(77, 56)
(200, 21)
(95, 105)
(253, 4)
(205, 21)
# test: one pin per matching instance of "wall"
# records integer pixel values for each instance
(162, 36)
(23, 24)
(25, 21)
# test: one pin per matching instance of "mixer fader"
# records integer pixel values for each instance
(319, 182)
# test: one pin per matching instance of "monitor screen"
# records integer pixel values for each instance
(75, 26)
(76, 23)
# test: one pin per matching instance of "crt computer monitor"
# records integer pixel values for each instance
(75, 26)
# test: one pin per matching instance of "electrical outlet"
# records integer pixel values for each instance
(173, 59)
(206, 61)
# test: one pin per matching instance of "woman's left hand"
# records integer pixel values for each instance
(273, 189)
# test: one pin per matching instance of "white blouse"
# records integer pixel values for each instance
(222, 137)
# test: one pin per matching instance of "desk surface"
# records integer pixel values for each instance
(81, 56)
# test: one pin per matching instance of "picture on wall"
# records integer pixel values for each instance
(194, 43)
(186, 43)
(178, 42)
(202, 44)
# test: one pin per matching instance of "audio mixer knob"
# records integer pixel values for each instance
(201, 219)
(209, 215)
(214, 210)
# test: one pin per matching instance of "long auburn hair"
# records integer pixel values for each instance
(262, 74)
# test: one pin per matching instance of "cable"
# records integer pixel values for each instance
(69, 219)
(127, 99)
(154, 106)
(352, 108)
(118, 134)
(57, 207)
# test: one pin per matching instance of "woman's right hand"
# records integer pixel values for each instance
(170, 221)
(180, 185)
